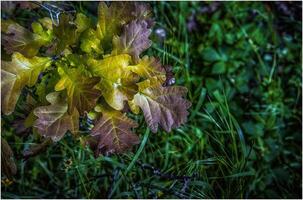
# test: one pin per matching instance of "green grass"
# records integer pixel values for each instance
(242, 139)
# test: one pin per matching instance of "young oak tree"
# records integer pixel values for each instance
(97, 68)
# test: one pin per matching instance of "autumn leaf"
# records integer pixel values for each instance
(153, 82)
(8, 166)
(111, 18)
(81, 93)
(65, 33)
(47, 23)
(110, 66)
(53, 120)
(16, 74)
(113, 131)
(18, 39)
(164, 106)
(148, 67)
(82, 22)
(134, 39)
(25, 120)
(143, 11)
(5, 23)
(111, 71)
(117, 82)
(90, 42)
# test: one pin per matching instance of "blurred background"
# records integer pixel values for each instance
(242, 64)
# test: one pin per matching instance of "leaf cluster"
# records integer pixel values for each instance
(78, 68)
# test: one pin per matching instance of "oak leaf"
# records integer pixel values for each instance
(134, 39)
(90, 42)
(17, 38)
(65, 33)
(113, 131)
(82, 22)
(81, 93)
(53, 120)
(143, 11)
(164, 106)
(117, 82)
(110, 20)
(112, 17)
(148, 67)
(16, 74)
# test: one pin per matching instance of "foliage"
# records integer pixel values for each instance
(109, 72)
(241, 63)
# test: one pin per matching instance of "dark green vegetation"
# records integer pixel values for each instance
(241, 62)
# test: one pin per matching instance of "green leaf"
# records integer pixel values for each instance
(216, 33)
(218, 68)
(254, 129)
(16, 74)
(210, 55)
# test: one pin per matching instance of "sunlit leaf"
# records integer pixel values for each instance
(90, 42)
(82, 22)
(117, 82)
(53, 120)
(148, 67)
(113, 131)
(80, 89)
(16, 74)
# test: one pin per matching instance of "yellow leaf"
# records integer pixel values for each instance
(16, 74)
(117, 82)
(148, 67)
(80, 89)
